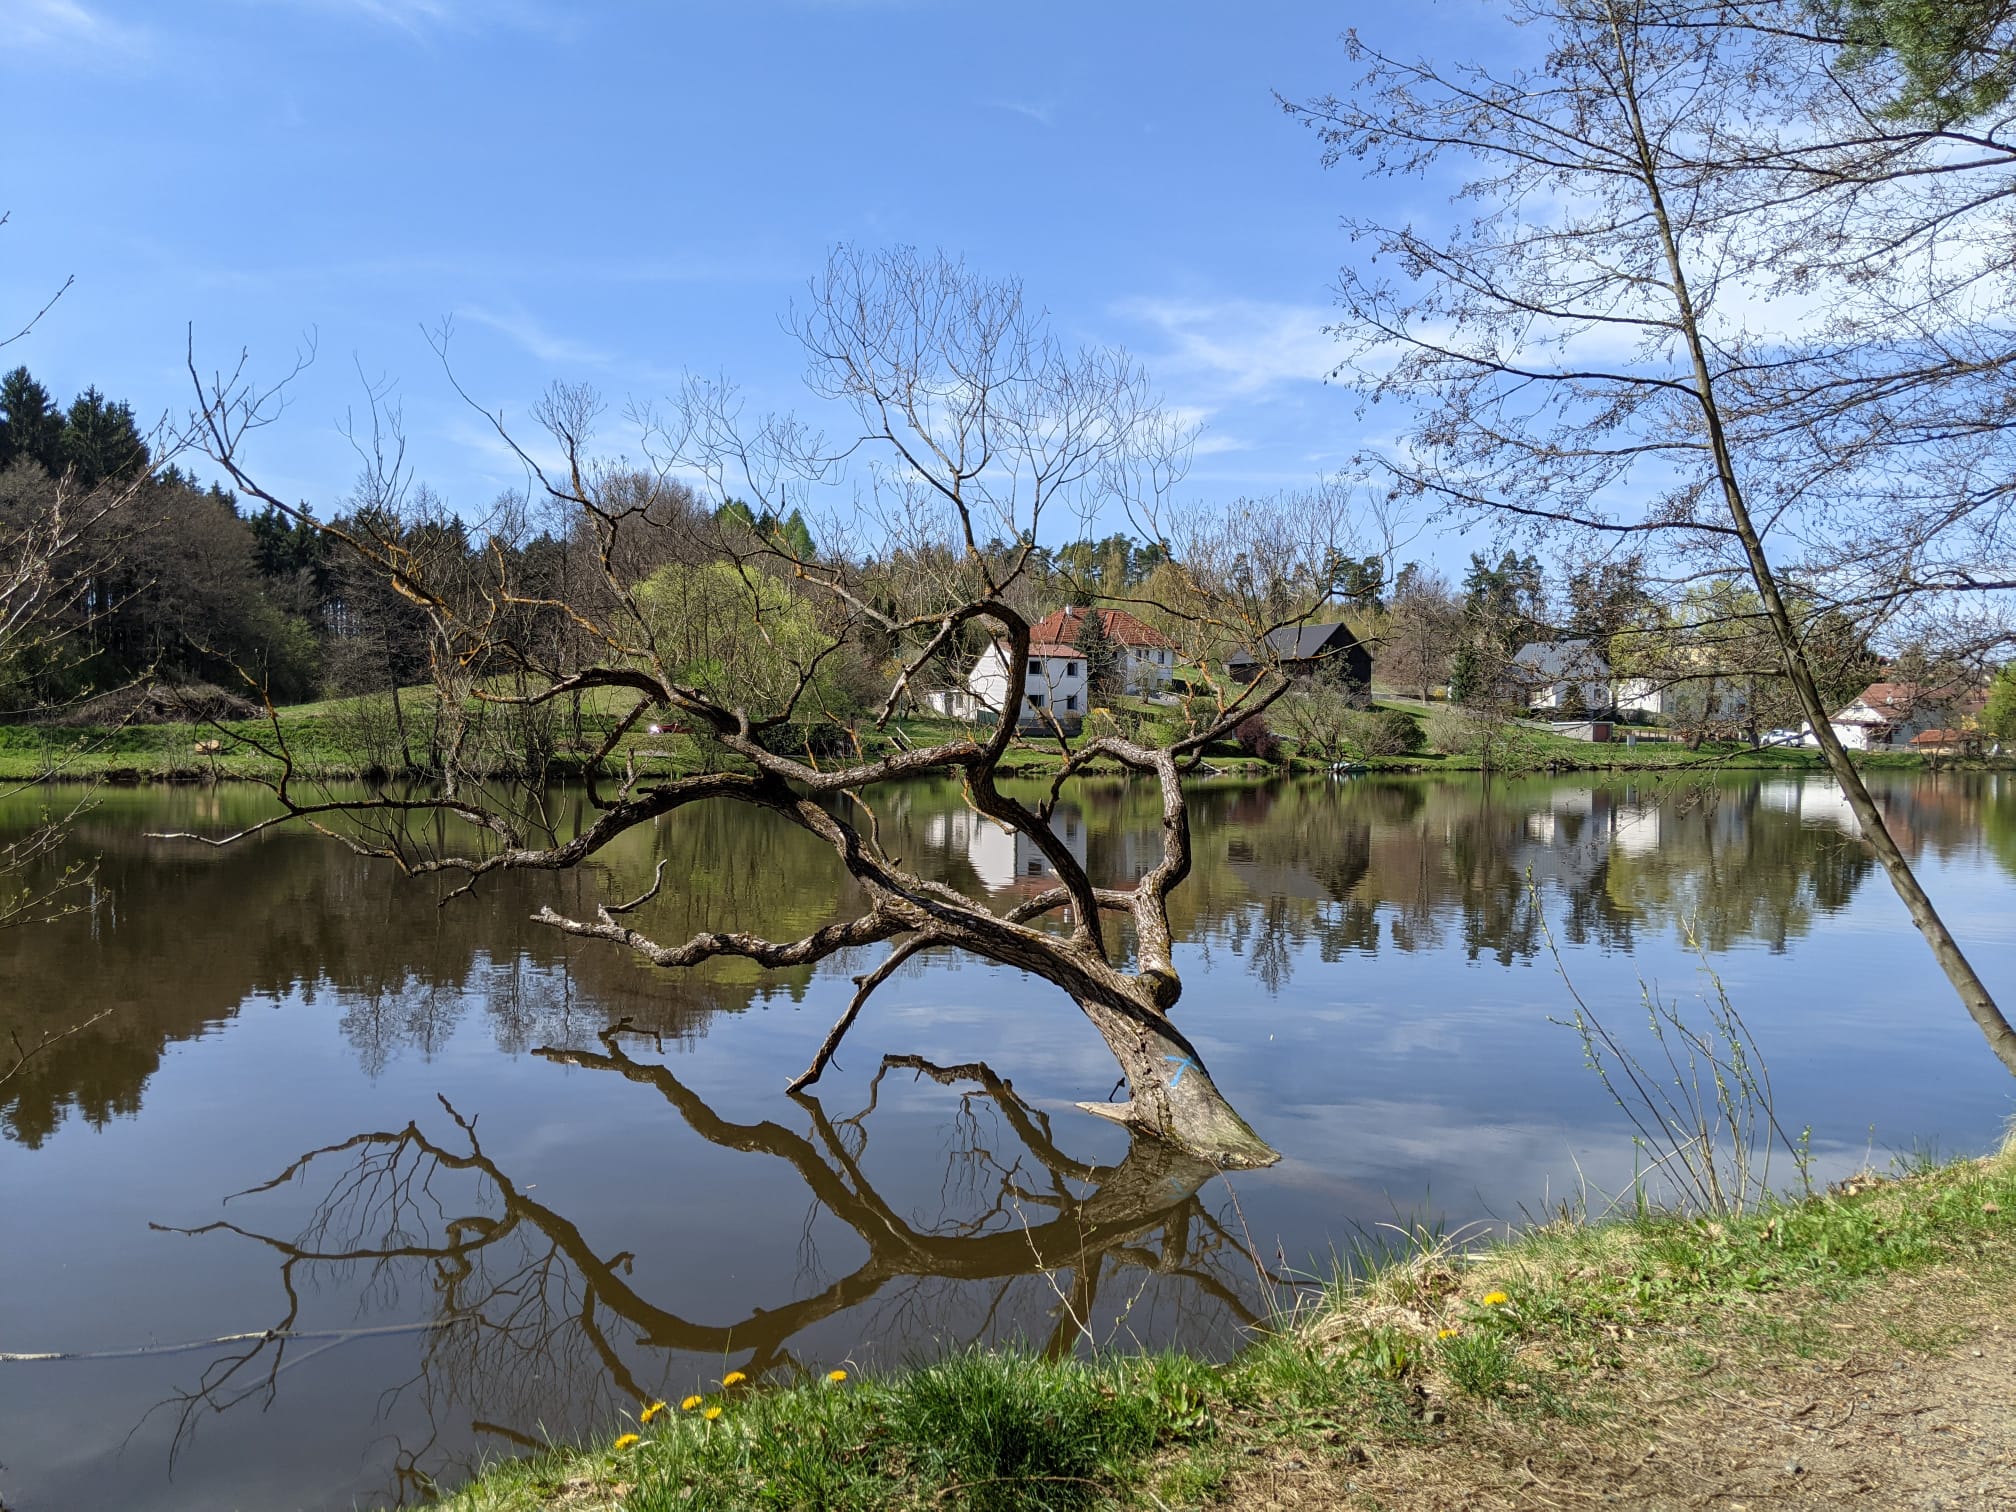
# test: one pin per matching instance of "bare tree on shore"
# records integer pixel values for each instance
(971, 432)
(1705, 302)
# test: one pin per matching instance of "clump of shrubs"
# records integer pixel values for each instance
(1455, 732)
(1382, 732)
(1498, 743)
(1256, 739)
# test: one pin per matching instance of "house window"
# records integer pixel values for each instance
(1070, 702)
(1035, 700)
(1070, 669)
(1035, 667)
(1162, 657)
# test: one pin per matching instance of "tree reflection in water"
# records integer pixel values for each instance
(528, 1324)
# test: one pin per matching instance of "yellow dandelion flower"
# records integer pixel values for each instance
(1446, 1333)
(650, 1412)
(1495, 1299)
(836, 1376)
(711, 1413)
(626, 1441)
(733, 1378)
(690, 1403)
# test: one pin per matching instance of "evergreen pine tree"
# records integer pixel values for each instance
(100, 440)
(1101, 653)
(30, 424)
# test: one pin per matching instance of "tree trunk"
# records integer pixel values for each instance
(1171, 1097)
(1973, 992)
(399, 719)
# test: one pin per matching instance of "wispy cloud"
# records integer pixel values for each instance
(427, 18)
(1042, 112)
(68, 26)
(1235, 347)
(1209, 442)
(525, 330)
(416, 17)
(489, 458)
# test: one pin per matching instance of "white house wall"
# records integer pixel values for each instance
(1059, 681)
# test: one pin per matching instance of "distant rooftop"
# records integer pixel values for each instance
(1296, 643)
(1121, 627)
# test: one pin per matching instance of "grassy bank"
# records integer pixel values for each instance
(352, 738)
(1553, 1369)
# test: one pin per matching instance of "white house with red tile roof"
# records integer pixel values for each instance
(1055, 686)
(1057, 680)
(1147, 656)
(1889, 716)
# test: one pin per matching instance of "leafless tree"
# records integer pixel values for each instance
(1702, 301)
(971, 431)
(1422, 627)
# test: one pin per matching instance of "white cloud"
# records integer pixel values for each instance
(525, 331)
(415, 16)
(423, 18)
(1236, 347)
(67, 25)
(1042, 112)
(1211, 445)
(488, 456)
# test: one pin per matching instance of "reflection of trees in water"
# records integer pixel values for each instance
(528, 1326)
(180, 938)
(1291, 868)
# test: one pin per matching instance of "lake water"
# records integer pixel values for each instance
(499, 1228)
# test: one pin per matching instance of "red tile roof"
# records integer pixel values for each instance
(1120, 626)
(1897, 702)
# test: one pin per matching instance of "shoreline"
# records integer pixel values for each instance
(169, 755)
(1574, 1354)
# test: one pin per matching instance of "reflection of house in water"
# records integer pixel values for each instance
(1636, 828)
(1002, 859)
(1818, 800)
(1572, 837)
(1568, 839)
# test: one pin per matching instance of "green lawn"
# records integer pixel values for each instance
(349, 737)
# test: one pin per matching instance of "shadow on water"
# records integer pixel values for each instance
(527, 1323)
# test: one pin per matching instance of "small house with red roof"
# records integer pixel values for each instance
(1057, 681)
(1890, 716)
(1147, 656)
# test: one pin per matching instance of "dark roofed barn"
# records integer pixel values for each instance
(1330, 651)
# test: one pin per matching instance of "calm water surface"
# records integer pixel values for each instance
(323, 1103)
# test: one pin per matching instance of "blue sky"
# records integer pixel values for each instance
(619, 192)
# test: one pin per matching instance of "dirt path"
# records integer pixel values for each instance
(1914, 1408)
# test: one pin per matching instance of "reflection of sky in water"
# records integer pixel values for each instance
(1361, 974)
